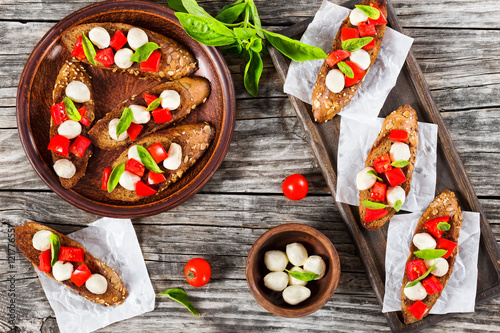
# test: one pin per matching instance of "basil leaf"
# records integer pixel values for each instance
(417, 280)
(369, 11)
(373, 205)
(244, 33)
(55, 246)
(254, 14)
(143, 52)
(346, 69)
(180, 296)
(115, 175)
(430, 254)
(255, 44)
(374, 173)
(193, 8)
(400, 164)
(231, 13)
(148, 160)
(234, 49)
(253, 71)
(205, 30)
(443, 226)
(397, 205)
(154, 104)
(88, 49)
(305, 276)
(176, 5)
(294, 49)
(71, 110)
(355, 44)
(125, 121)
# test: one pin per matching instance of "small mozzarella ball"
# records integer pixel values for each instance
(296, 294)
(395, 194)
(70, 129)
(96, 284)
(141, 114)
(400, 152)
(276, 281)
(335, 81)
(112, 130)
(78, 92)
(357, 16)
(275, 260)
(293, 281)
(361, 58)
(441, 267)
(122, 58)
(364, 180)
(62, 270)
(296, 253)
(174, 159)
(415, 293)
(100, 37)
(64, 168)
(128, 180)
(315, 264)
(171, 99)
(424, 241)
(132, 153)
(41, 240)
(136, 38)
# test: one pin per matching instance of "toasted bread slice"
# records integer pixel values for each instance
(404, 118)
(445, 204)
(193, 91)
(73, 71)
(116, 292)
(176, 60)
(325, 103)
(194, 140)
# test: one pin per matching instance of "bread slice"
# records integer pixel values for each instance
(176, 60)
(193, 91)
(73, 71)
(116, 292)
(325, 103)
(445, 204)
(194, 140)
(404, 118)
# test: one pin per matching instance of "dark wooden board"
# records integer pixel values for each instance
(412, 89)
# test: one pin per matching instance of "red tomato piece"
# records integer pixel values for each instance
(143, 190)
(75, 254)
(80, 275)
(45, 258)
(105, 57)
(295, 187)
(59, 144)
(398, 135)
(418, 309)
(366, 29)
(336, 56)
(58, 112)
(158, 153)
(374, 214)
(395, 176)
(118, 40)
(133, 131)
(155, 178)
(432, 285)
(415, 269)
(358, 74)
(349, 33)
(446, 245)
(149, 98)
(83, 111)
(161, 115)
(380, 20)
(378, 191)
(382, 163)
(197, 272)
(369, 46)
(105, 178)
(80, 145)
(135, 167)
(153, 62)
(78, 49)
(432, 225)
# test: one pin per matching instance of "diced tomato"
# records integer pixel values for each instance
(418, 309)
(349, 33)
(45, 259)
(158, 153)
(105, 178)
(380, 20)
(398, 135)
(358, 74)
(395, 176)
(80, 275)
(83, 112)
(155, 178)
(336, 56)
(143, 190)
(366, 29)
(446, 245)
(432, 225)
(415, 269)
(378, 191)
(59, 144)
(75, 254)
(78, 49)
(382, 163)
(58, 112)
(105, 57)
(375, 214)
(369, 46)
(80, 145)
(149, 98)
(118, 40)
(135, 167)
(153, 62)
(133, 131)
(432, 285)
(161, 115)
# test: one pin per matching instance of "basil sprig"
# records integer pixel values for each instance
(373, 205)
(148, 160)
(374, 173)
(144, 52)
(55, 246)
(400, 164)
(180, 296)
(355, 44)
(115, 175)
(302, 276)
(369, 11)
(417, 280)
(430, 254)
(346, 69)
(397, 205)
(88, 49)
(443, 226)
(125, 121)
(154, 104)
(71, 110)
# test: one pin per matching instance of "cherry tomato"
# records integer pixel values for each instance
(295, 187)
(197, 272)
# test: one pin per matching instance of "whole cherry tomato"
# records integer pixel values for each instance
(197, 272)
(295, 187)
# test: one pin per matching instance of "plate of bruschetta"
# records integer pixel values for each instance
(121, 113)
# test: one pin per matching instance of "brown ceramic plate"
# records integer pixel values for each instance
(34, 99)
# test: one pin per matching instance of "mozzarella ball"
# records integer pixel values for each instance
(122, 58)
(400, 152)
(395, 194)
(335, 81)
(315, 264)
(78, 92)
(41, 240)
(275, 260)
(296, 294)
(174, 159)
(62, 270)
(361, 58)
(70, 129)
(364, 180)
(141, 114)
(293, 281)
(64, 168)
(96, 284)
(441, 267)
(296, 253)
(357, 16)
(424, 241)
(171, 99)
(276, 281)
(128, 180)
(136, 38)
(132, 153)
(415, 293)
(100, 37)
(112, 130)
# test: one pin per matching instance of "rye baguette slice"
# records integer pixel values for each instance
(194, 140)
(176, 60)
(193, 91)
(73, 71)
(445, 204)
(116, 292)
(325, 103)
(404, 118)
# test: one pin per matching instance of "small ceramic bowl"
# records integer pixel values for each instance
(315, 243)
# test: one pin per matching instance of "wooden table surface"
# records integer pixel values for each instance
(456, 44)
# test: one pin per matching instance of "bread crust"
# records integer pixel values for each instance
(326, 104)
(445, 204)
(116, 292)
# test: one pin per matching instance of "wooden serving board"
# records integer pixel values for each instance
(411, 89)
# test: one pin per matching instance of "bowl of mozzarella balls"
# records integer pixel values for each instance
(292, 270)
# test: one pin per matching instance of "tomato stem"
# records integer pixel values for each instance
(191, 275)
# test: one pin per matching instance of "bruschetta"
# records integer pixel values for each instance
(354, 51)
(432, 255)
(385, 181)
(69, 263)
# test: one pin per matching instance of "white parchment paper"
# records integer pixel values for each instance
(379, 80)
(355, 141)
(459, 295)
(113, 241)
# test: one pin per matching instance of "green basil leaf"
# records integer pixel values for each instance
(143, 52)
(374, 173)
(244, 33)
(231, 13)
(180, 296)
(88, 49)
(294, 49)
(154, 104)
(430, 254)
(115, 175)
(346, 69)
(205, 30)
(193, 8)
(125, 121)
(443, 226)
(176, 5)
(369, 11)
(256, 44)
(303, 276)
(400, 164)
(234, 49)
(397, 205)
(148, 160)
(355, 44)
(253, 71)
(71, 110)
(55, 246)
(373, 205)
(417, 280)
(254, 14)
